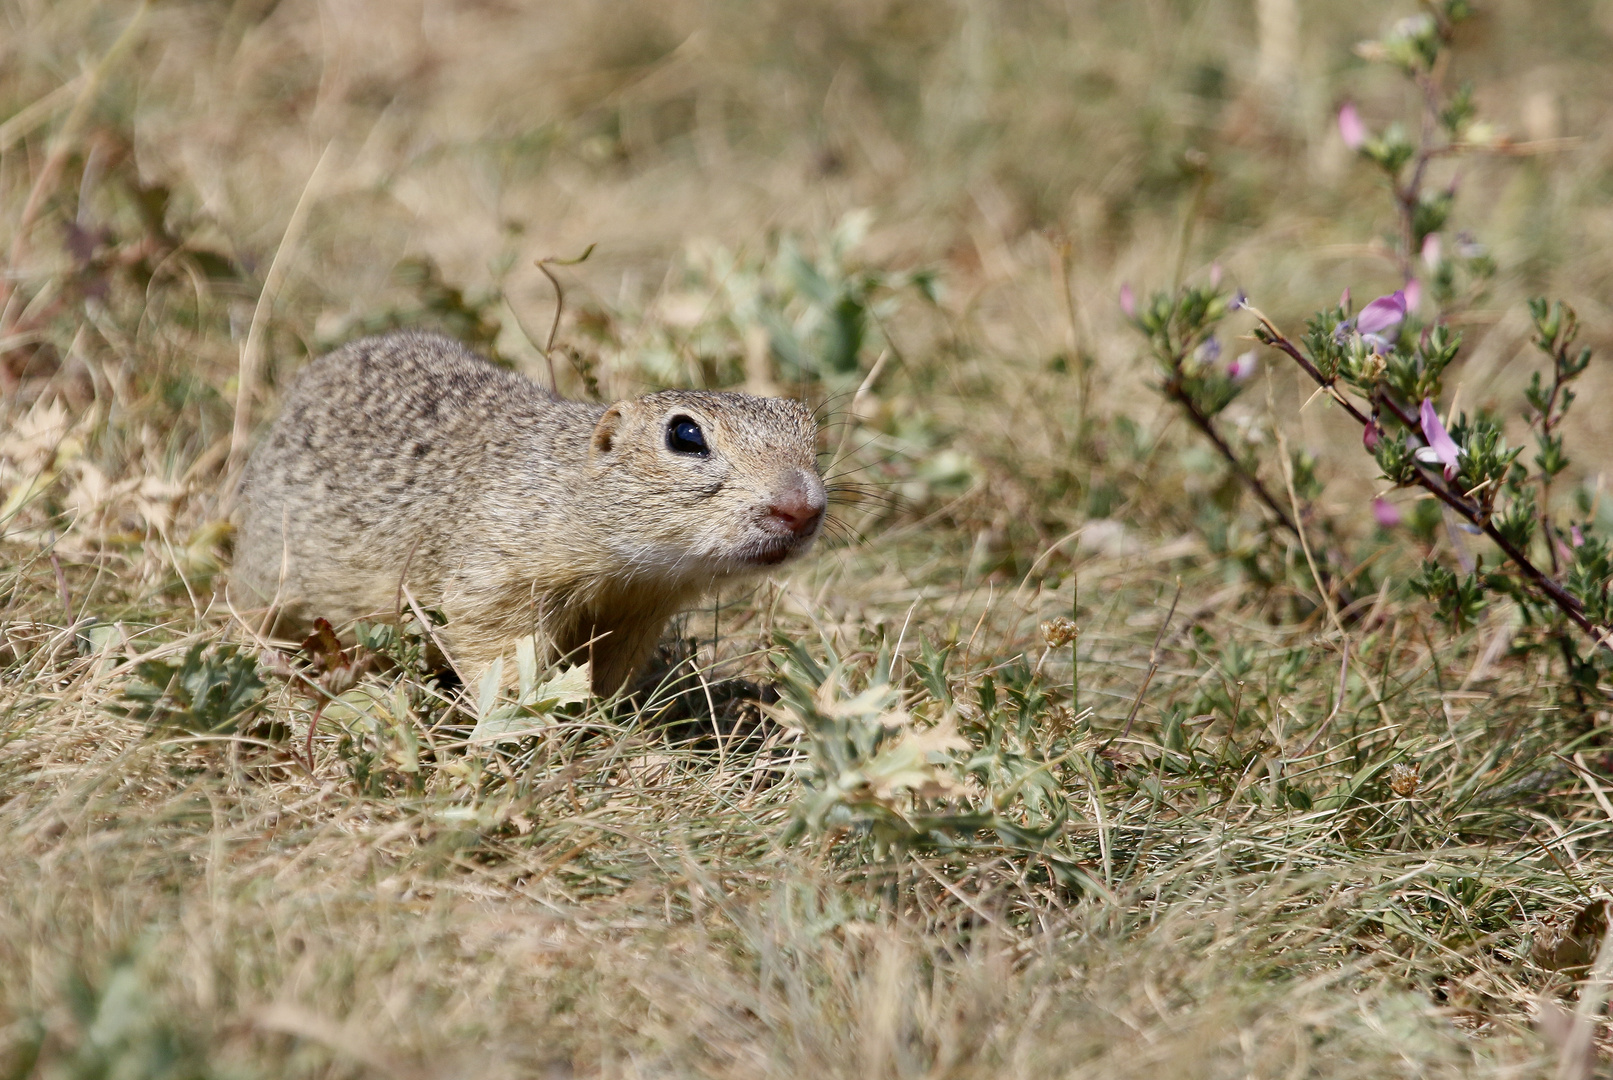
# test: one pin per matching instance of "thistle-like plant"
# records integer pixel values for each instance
(967, 779)
(867, 764)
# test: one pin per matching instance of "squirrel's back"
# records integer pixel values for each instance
(381, 448)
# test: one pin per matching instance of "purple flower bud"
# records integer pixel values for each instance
(1431, 251)
(1344, 300)
(1209, 352)
(1128, 300)
(1382, 313)
(1576, 536)
(1351, 129)
(1414, 294)
(1385, 513)
(1238, 302)
(1371, 436)
(1243, 366)
(1215, 275)
(1441, 447)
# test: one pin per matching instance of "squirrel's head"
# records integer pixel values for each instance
(709, 484)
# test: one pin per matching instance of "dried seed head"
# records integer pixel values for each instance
(1404, 780)
(277, 664)
(1059, 632)
(339, 681)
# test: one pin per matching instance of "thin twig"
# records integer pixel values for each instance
(1322, 585)
(313, 725)
(431, 632)
(1547, 418)
(559, 306)
(1196, 416)
(1153, 665)
(857, 399)
(61, 586)
(1251, 480)
(1075, 646)
(1338, 704)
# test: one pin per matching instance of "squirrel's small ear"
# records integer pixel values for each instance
(606, 429)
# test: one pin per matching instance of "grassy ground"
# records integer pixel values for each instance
(1212, 840)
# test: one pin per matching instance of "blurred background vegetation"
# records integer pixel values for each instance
(917, 215)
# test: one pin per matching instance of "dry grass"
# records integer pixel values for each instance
(1251, 882)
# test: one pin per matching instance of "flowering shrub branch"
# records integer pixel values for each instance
(1181, 333)
(1384, 366)
(1478, 476)
(1447, 126)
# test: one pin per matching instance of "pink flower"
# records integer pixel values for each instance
(1382, 313)
(1243, 366)
(1351, 129)
(1414, 294)
(1215, 275)
(1431, 251)
(1385, 513)
(1441, 447)
(1344, 300)
(1576, 536)
(1371, 436)
(1128, 301)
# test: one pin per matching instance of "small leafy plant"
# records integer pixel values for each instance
(211, 690)
(868, 764)
(793, 315)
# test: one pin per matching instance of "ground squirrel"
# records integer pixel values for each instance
(408, 458)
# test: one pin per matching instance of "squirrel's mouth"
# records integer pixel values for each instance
(772, 550)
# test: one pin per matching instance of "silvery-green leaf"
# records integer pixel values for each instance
(122, 1008)
(355, 705)
(499, 723)
(505, 723)
(568, 688)
(526, 666)
(487, 692)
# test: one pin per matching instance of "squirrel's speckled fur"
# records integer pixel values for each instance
(407, 458)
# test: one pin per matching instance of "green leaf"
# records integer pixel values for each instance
(206, 692)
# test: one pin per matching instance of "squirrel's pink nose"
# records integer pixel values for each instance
(799, 505)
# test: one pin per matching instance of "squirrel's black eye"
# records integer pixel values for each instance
(683, 436)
